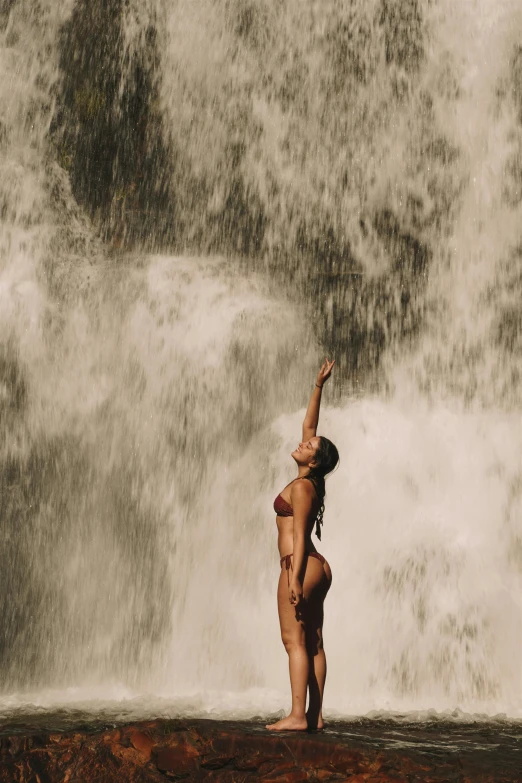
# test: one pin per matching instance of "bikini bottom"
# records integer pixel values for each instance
(287, 561)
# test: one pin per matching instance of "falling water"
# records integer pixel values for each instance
(197, 200)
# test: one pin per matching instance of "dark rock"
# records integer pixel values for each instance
(207, 751)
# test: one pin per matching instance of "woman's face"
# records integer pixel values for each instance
(304, 454)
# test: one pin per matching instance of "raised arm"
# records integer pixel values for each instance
(311, 419)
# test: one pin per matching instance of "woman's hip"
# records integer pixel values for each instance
(287, 563)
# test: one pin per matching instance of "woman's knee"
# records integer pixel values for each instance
(294, 641)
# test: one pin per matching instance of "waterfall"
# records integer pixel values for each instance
(197, 201)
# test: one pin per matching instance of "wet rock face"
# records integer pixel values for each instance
(221, 751)
(107, 128)
(280, 141)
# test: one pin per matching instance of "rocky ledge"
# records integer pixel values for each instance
(232, 752)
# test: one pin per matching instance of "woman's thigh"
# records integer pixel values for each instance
(317, 581)
(299, 624)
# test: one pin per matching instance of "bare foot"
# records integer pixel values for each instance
(288, 724)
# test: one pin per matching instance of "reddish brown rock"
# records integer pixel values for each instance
(226, 752)
(183, 759)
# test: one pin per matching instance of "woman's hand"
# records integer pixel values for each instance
(325, 372)
(295, 592)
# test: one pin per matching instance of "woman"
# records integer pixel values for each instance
(305, 575)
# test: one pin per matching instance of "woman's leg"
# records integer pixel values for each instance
(316, 654)
(293, 637)
(296, 640)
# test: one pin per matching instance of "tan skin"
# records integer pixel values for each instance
(301, 590)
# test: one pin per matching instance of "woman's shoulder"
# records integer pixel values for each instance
(302, 487)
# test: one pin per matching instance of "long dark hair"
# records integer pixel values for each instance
(326, 459)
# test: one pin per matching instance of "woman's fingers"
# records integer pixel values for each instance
(326, 369)
(294, 598)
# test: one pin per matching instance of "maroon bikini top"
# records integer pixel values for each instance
(282, 508)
